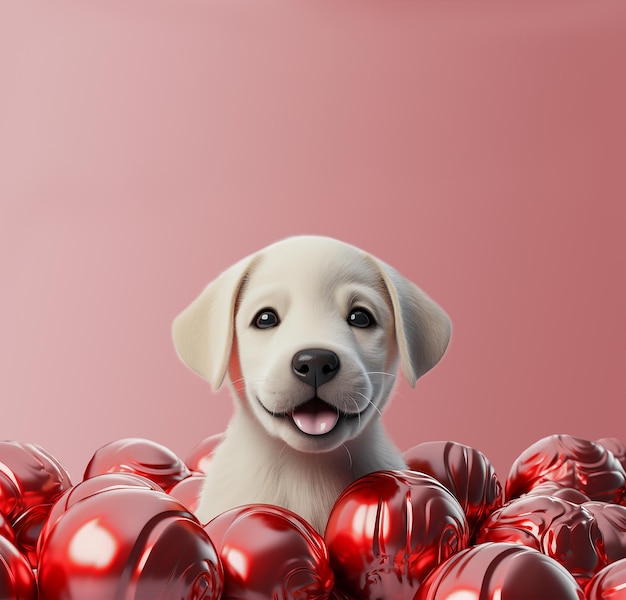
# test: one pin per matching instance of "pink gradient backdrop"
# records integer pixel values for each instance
(479, 147)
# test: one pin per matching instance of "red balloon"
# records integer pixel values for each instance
(270, 552)
(140, 456)
(611, 520)
(465, 471)
(188, 491)
(127, 542)
(17, 581)
(609, 584)
(560, 529)
(29, 475)
(200, 455)
(499, 571)
(556, 490)
(571, 461)
(90, 487)
(388, 529)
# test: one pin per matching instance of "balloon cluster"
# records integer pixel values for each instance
(446, 528)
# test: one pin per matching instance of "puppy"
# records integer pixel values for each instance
(309, 331)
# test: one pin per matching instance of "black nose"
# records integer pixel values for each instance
(315, 366)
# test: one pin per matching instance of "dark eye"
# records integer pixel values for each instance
(359, 317)
(265, 319)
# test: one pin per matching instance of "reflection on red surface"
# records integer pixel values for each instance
(389, 529)
(143, 457)
(200, 455)
(270, 552)
(127, 542)
(17, 581)
(497, 571)
(29, 475)
(31, 479)
(188, 491)
(565, 531)
(611, 520)
(609, 584)
(571, 461)
(465, 471)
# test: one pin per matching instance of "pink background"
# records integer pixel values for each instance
(479, 147)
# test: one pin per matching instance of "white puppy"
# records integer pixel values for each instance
(309, 331)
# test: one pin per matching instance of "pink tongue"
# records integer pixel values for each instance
(315, 417)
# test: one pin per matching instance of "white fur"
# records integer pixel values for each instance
(312, 283)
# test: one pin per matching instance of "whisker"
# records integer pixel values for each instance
(349, 455)
(239, 384)
(369, 401)
(356, 404)
(281, 453)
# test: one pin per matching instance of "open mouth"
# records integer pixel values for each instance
(314, 417)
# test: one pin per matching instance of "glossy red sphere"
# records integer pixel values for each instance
(389, 529)
(29, 475)
(465, 471)
(17, 581)
(269, 552)
(611, 520)
(609, 584)
(200, 455)
(188, 491)
(140, 456)
(128, 543)
(499, 571)
(560, 529)
(571, 461)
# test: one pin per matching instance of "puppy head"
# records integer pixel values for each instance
(310, 331)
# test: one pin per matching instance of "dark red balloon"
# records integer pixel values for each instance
(270, 552)
(571, 461)
(129, 542)
(499, 571)
(611, 520)
(560, 529)
(29, 475)
(17, 581)
(188, 491)
(465, 471)
(609, 584)
(140, 456)
(200, 455)
(556, 490)
(388, 529)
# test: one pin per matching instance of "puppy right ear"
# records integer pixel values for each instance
(203, 332)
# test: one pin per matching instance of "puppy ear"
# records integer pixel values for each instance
(203, 332)
(422, 327)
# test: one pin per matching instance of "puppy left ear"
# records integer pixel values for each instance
(423, 329)
(203, 332)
